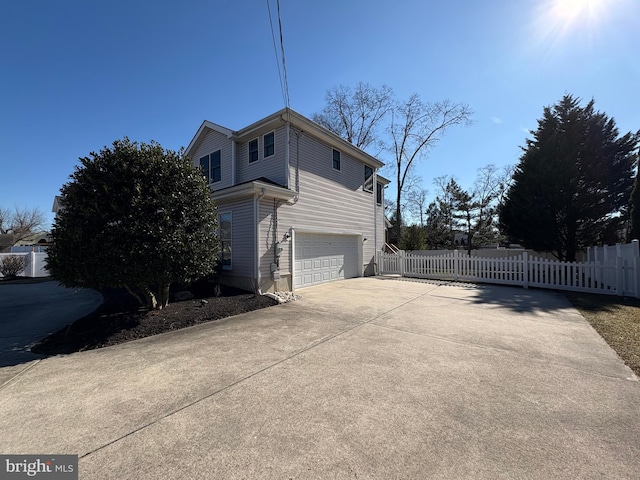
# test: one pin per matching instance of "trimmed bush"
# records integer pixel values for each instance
(12, 265)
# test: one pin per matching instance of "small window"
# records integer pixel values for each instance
(253, 151)
(368, 179)
(216, 168)
(211, 167)
(224, 224)
(204, 166)
(379, 193)
(269, 141)
(336, 159)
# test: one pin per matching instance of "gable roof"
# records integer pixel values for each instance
(207, 125)
(277, 119)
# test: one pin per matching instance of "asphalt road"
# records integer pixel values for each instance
(30, 312)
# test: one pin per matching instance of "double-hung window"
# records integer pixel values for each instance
(368, 179)
(211, 168)
(253, 151)
(336, 159)
(379, 193)
(224, 224)
(269, 144)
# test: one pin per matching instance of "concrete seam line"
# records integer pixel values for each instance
(20, 373)
(247, 377)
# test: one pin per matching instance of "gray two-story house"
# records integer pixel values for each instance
(297, 204)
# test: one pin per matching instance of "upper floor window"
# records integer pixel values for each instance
(368, 179)
(379, 193)
(336, 159)
(253, 151)
(269, 144)
(211, 168)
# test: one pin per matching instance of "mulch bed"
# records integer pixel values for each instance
(120, 319)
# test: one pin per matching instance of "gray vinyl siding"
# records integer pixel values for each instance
(381, 227)
(216, 141)
(272, 167)
(270, 233)
(242, 236)
(381, 223)
(329, 200)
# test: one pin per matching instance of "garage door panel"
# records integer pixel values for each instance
(323, 257)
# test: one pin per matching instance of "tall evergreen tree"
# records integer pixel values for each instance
(573, 181)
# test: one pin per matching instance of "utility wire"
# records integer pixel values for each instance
(275, 50)
(284, 65)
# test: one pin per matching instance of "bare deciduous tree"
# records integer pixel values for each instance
(355, 114)
(416, 127)
(21, 222)
(417, 203)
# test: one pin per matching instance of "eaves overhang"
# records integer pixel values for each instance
(254, 188)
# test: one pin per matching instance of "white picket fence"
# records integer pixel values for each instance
(35, 264)
(618, 277)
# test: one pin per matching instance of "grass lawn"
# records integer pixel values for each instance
(616, 319)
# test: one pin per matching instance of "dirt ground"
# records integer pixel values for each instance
(121, 319)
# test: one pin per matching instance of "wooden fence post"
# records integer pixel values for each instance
(525, 269)
(401, 260)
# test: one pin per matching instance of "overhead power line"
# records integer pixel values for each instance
(282, 73)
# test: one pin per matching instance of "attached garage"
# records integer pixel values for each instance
(321, 258)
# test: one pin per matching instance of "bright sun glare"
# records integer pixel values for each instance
(572, 10)
(558, 19)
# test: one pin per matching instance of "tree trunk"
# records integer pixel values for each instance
(135, 295)
(163, 294)
(469, 234)
(152, 302)
(398, 225)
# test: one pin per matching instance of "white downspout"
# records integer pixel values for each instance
(375, 221)
(286, 154)
(292, 251)
(256, 218)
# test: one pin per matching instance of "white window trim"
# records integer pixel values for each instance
(370, 179)
(340, 153)
(210, 181)
(381, 194)
(211, 165)
(230, 213)
(257, 140)
(274, 144)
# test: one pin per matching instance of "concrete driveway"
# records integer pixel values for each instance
(31, 311)
(364, 378)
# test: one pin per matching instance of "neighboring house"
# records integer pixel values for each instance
(57, 204)
(10, 243)
(297, 205)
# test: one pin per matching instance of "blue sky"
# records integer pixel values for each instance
(77, 75)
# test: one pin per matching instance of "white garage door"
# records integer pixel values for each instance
(321, 258)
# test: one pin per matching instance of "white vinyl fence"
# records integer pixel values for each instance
(35, 264)
(619, 276)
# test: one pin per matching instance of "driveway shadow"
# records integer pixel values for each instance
(31, 311)
(513, 298)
